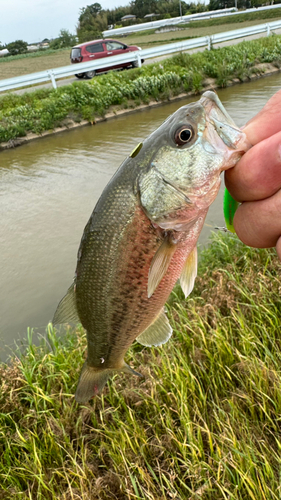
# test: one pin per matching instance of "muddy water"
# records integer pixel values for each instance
(48, 189)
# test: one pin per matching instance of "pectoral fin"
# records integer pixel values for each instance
(189, 273)
(157, 333)
(159, 265)
(67, 311)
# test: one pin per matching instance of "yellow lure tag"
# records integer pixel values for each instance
(136, 150)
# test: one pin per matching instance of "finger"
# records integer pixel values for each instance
(266, 122)
(258, 223)
(278, 248)
(258, 174)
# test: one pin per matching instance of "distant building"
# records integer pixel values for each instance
(150, 16)
(129, 17)
(32, 48)
(4, 52)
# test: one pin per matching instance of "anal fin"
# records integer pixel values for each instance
(67, 310)
(159, 264)
(157, 333)
(189, 273)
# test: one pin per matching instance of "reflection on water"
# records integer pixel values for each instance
(48, 189)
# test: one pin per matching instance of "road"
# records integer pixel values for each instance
(67, 81)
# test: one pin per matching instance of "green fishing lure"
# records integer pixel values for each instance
(229, 208)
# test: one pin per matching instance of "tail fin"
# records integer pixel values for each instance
(91, 382)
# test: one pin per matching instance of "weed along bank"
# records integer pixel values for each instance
(202, 419)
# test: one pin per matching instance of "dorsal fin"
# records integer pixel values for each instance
(157, 333)
(189, 273)
(67, 311)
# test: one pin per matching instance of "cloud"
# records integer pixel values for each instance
(34, 20)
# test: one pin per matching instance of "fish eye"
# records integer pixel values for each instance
(183, 135)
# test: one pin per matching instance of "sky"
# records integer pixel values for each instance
(34, 20)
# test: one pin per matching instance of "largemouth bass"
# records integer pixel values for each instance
(141, 237)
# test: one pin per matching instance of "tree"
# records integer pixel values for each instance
(86, 35)
(92, 21)
(65, 39)
(194, 8)
(166, 8)
(17, 47)
(114, 15)
(142, 7)
(223, 4)
(90, 10)
(256, 3)
(170, 8)
(92, 29)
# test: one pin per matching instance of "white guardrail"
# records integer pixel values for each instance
(125, 30)
(72, 69)
(167, 22)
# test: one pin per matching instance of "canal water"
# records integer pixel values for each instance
(48, 189)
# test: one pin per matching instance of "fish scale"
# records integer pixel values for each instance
(141, 237)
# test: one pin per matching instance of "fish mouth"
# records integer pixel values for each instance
(221, 133)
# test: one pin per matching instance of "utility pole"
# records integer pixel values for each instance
(180, 8)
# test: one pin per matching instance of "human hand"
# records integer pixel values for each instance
(256, 180)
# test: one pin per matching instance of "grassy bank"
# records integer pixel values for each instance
(203, 424)
(45, 109)
(24, 64)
